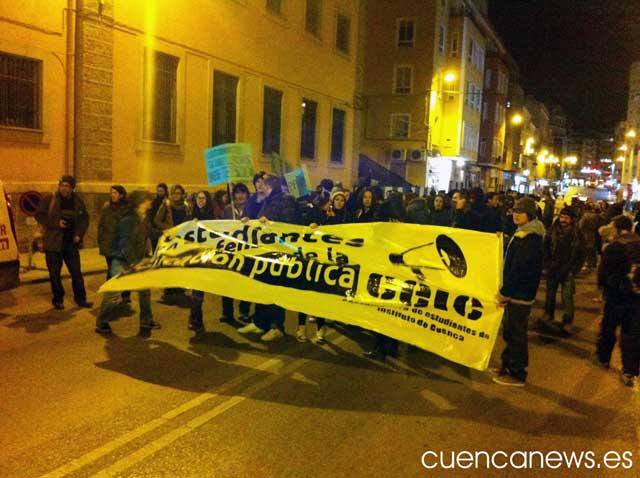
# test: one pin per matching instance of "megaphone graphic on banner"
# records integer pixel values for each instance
(450, 254)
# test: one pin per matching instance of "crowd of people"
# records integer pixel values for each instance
(541, 233)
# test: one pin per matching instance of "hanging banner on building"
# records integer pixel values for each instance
(230, 162)
(432, 287)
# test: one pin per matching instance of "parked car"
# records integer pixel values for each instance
(9, 261)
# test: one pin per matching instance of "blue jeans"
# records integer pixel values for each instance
(568, 290)
(111, 300)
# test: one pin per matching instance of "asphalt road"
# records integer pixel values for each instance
(74, 404)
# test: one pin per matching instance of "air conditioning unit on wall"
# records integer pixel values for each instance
(418, 155)
(396, 155)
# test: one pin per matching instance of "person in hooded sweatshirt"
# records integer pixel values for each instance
(440, 215)
(130, 245)
(111, 213)
(520, 281)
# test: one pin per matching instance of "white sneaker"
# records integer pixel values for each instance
(250, 329)
(273, 334)
(301, 333)
(320, 335)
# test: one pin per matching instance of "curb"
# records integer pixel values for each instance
(40, 280)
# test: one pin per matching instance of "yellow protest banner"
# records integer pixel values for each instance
(433, 287)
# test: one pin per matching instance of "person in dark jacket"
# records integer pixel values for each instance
(172, 212)
(130, 246)
(619, 283)
(277, 206)
(255, 200)
(202, 210)
(162, 193)
(461, 214)
(367, 210)
(564, 253)
(520, 281)
(391, 210)
(440, 216)
(418, 211)
(110, 215)
(65, 220)
(236, 210)
(202, 206)
(492, 221)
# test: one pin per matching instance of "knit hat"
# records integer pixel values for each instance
(526, 205)
(567, 211)
(337, 192)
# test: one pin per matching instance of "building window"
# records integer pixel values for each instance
(225, 95)
(275, 6)
(19, 91)
(442, 39)
(454, 44)
(271, 121)
(313, 16)
(406, 32)
(483, 147)
(400, 125)
(470, 52)
(485, 111)
(337, 135)
(343, 33)
(403, 80)
(160, 93)
(308, 133)
(487, 79)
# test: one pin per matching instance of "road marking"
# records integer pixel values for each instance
(437, 401)
(271, 365)
(111, 446)
(167, 439)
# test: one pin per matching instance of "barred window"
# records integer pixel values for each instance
(313, 16)
(271, 121)
(160, 93)
(308, 133)
(337, 135)
(19, 91)
(343, 33)
(225, 91)
(400, 125)
(406, 33)
(403, 80)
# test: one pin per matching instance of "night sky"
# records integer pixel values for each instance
(573, 53)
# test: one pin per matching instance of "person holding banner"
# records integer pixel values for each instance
(255, 201)
(172, 212)
(279, 207)
(235, 210)
(202, 211)
(130, 246)
(521, 278)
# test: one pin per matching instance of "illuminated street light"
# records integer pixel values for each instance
(620, 159)
(631, 133)
(516, 119)
(450, 77)
(571, 160)
(624, 147)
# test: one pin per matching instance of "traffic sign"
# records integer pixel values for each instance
(29, 202)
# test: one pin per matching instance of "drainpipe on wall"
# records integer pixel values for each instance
(69, 146)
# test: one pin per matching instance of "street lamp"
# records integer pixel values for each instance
(449, 77)
(624, 148)
(631, 133)
(516, 119)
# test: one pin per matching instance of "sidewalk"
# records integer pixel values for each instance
(92, 263)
